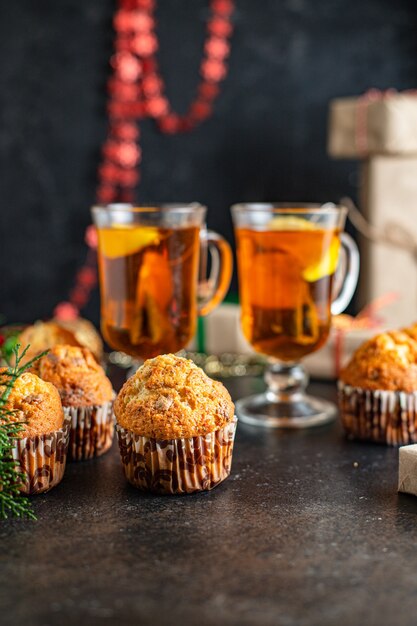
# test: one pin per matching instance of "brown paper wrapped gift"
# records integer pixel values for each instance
(376, 123)
(389, 200)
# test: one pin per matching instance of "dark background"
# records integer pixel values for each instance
(266, 140)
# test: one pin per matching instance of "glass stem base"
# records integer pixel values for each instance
(285, 404)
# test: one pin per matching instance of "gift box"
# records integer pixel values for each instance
(222, 332)
(389, 201)
(375, 123)
(327, 362)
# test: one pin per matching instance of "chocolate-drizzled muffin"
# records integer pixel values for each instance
(378, 390)
(87, 397)
(175, 427)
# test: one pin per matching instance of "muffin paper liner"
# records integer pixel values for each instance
(92, 430)
(177, 466)
(42, 459)
(388, 417)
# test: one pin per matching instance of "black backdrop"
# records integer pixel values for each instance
(265, 141)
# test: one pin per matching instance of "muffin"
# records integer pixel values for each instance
(378, 390)
(42, 443)
(85, 334)
(42, 336)
(87, 397)
(175, 427)
(411, 331)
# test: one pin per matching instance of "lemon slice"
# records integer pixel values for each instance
(121, 240)
(327, 264)
(290, 222)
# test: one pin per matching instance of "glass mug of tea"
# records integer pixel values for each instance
(150, 260)
(296, 269)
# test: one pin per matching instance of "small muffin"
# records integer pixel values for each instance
(85, 334)
(387, 361)
(41, 446)
(44, 335)
(377, 390)
(80, 380)
(175, 427)
(34, 402)
(87, 396)
(411, 331)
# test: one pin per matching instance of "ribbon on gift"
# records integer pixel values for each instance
(368, 318)
(369, 97)
(392, 233)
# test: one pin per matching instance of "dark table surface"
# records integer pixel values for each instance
(309, 529)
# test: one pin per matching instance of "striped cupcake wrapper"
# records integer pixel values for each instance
(92, 430)
(42, 459)
(177, 466)
(388, 417)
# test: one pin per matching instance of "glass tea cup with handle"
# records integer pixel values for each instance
(296, 269)
(150, 260)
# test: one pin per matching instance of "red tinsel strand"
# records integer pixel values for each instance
(136, 90)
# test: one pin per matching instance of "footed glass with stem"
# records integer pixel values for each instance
(296, 269)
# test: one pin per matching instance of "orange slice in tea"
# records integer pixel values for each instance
(122, 240)
(327, 264)
(290, 222)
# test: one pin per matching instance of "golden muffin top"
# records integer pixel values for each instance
(411, 331)
(170, 397)
(84, 333)
(44, 335)
(80, 380)
(387, 361)
(35, 402)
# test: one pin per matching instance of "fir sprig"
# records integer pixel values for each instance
(12, 503)
(9, 338)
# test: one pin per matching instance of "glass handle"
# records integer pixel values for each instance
(213, 288)
(347, 274)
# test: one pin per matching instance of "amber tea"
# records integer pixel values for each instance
(148, 281)
(286, 277)
(288, 257)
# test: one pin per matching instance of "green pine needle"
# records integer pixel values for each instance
(12, 502)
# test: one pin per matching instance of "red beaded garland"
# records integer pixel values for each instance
(137, 90)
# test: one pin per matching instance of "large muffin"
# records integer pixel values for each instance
(170, 397)
(387, 361)
(378, 390)
(35, 403)
(175, 427)
(80, 380)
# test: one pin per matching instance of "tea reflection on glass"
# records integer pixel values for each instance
(149, 261)
(287, 261)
